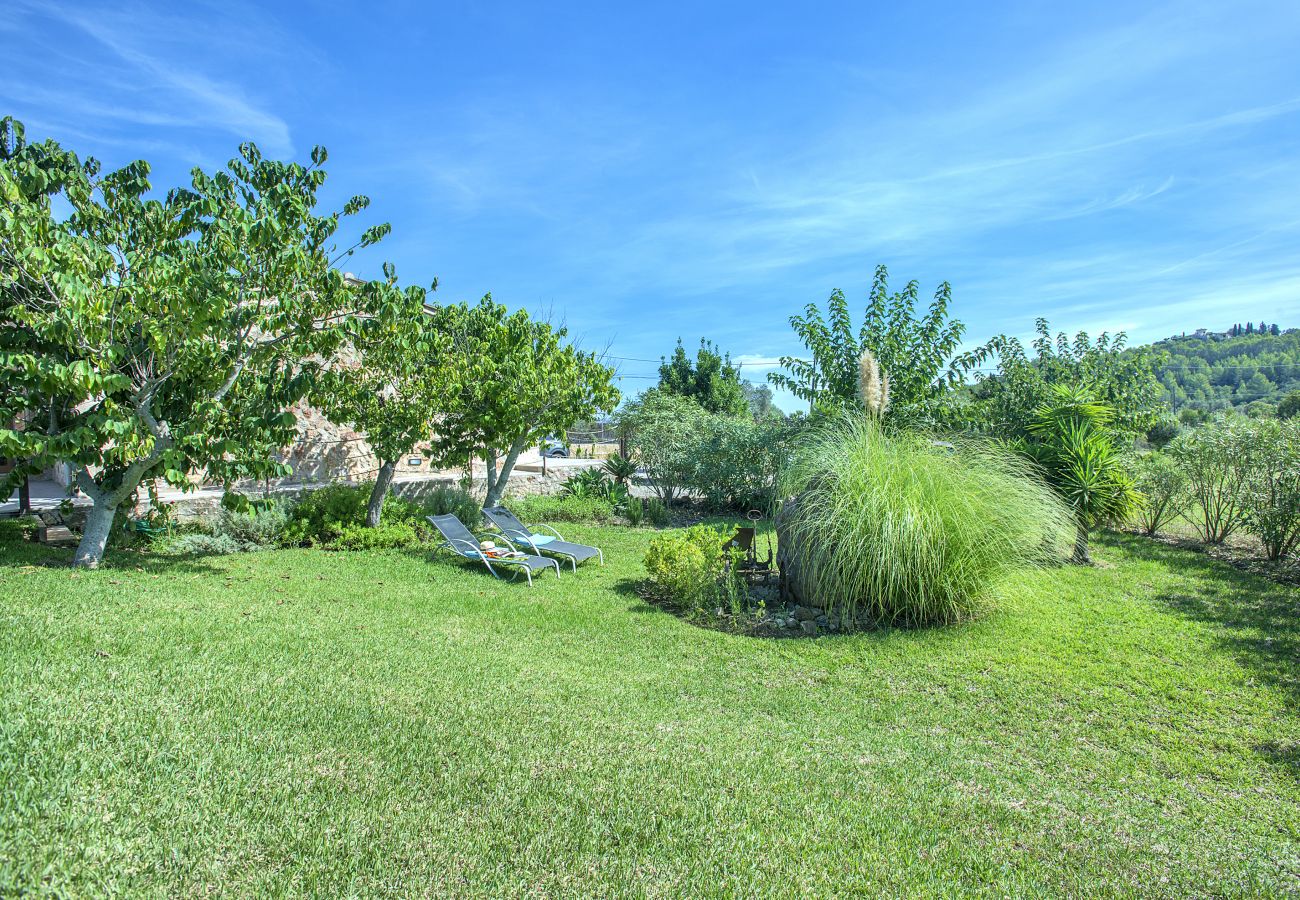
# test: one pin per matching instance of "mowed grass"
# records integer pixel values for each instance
(301, 722)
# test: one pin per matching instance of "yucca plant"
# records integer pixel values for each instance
(1071, 440)
(621, 468)
(896, 529)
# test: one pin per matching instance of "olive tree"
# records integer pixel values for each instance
(514, 380)
(145, 338)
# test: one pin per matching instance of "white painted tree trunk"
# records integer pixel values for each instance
(94, 536)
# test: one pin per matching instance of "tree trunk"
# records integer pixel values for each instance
(496, 485)
(1081, 555)
(94, 535)
(380, 492)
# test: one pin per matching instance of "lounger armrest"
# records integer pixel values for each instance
(550, 529)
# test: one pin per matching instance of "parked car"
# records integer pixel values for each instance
(553, 448)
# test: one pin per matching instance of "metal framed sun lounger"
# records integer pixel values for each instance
(518, 533)
(461, 541)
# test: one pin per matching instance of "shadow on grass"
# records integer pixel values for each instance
(632, 589)
(1258, 620)
(17, 554)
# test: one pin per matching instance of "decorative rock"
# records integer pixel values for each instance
(804, 614)
(794, 585)
(808, 626)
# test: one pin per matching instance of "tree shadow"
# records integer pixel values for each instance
(1257, 620)
(25, 554)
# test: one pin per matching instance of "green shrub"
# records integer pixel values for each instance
(20, 529)
(1164, 431)
(382, 537)
(1273, 509)
(661, 429)
(620, 468)
(736, 462)
(585, 484)
(196, 543)
(691, 570)
(457, 501)
(1219, 461)
(1289, 406)
(546, 509)
(320, 515)
(595, 484)
(259, 527)
(897, 530)
(441, 500)
(656, 513)
(634, 509)
(1163, 486)
(1071, 437)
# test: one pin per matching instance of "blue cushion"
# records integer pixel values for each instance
(540, 539)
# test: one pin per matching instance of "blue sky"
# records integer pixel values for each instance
(706, 169)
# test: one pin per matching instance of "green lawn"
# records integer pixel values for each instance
(302, 722)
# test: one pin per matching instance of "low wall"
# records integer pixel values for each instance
(206, 503)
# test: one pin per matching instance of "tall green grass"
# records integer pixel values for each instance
(911, 533)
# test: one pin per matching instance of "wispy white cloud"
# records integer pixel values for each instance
(145, 87)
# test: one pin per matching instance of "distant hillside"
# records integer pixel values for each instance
(1214, 371)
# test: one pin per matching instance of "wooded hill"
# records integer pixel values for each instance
(1217, 372)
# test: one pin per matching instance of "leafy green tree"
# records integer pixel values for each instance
(393, 388)
(918, 353)
(1070, 437)
(761, 405)
(1289, 408)
(1164, 431)
(711, 381)
(1008, 401)
(514, 381)
(143, 338)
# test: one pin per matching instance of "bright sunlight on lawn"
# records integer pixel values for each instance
(376, 723)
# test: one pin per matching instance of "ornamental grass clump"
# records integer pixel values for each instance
(894, 529)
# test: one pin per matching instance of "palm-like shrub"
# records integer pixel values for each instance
(1070, 439)
(1164, 489)
(621, 468)
(896, 529)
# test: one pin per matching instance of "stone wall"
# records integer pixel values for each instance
(203, 505)
(327, 452)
